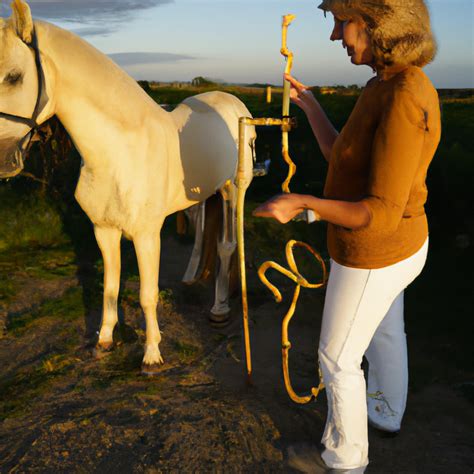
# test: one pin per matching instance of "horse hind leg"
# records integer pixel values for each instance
(108, 240)
(147, 248)
(226, 246)
(196, 214)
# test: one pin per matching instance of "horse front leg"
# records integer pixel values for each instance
(108, 240)
(147, 248)
(226, 246)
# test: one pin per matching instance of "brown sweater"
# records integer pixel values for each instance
(381, 157)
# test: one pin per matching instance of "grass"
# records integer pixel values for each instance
(17, 391)
(438, 313)
(36, 379)
(166, 296)
(35, 263)
(67, 308)
(8, 288)
(186, 352)
(28, 219)
(59, 264)
(57, 363)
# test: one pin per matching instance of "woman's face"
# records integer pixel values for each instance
(355, 39)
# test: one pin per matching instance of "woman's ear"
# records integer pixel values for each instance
(22, 20)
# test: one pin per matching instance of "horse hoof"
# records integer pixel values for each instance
(103, 348)
(219, 320)
(150, 370)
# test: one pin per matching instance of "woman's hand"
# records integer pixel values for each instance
(322, 128)
(283, 207)
(347, 214)
(300, 94)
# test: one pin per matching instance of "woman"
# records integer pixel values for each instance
(374, 203)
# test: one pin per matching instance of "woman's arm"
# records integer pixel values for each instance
(323, 129)
(284, 207)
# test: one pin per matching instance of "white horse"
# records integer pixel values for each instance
(139, 162)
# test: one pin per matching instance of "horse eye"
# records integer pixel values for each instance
(13, 77)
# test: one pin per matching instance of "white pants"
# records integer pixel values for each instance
(363, 314)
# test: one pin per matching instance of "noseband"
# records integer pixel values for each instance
(41, 100)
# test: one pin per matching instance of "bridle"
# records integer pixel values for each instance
(41, 100)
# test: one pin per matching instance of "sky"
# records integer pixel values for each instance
(239, 41)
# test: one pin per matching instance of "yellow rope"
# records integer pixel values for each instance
(294, 275)
(287, 19)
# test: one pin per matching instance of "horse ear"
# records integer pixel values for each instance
(22, 20)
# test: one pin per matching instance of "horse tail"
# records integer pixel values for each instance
(181, 224)
(213, 222)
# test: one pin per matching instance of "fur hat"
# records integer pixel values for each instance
(399, 29)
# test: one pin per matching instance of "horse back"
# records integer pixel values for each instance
(208, 139)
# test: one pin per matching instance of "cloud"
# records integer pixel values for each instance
(94, 30)
(139, 58)
(88, 11)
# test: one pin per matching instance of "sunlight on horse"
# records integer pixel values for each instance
(139, 162)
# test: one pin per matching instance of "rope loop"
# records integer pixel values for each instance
(294, 275)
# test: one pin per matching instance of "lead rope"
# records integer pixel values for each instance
(293, 273)
(287, 19)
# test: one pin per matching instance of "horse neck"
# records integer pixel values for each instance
(90, 89)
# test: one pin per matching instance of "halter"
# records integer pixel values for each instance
(41, 99)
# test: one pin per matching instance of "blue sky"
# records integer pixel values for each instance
(239, 41)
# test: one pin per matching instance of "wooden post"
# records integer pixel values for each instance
(269, 94)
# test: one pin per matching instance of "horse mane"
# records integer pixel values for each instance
(117, 86)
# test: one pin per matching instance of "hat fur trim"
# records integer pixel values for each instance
(400, 30)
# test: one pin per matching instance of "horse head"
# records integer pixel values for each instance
(19, 87)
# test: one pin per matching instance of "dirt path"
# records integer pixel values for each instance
(63, 410)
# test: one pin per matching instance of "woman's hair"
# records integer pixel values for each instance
(400, 30)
